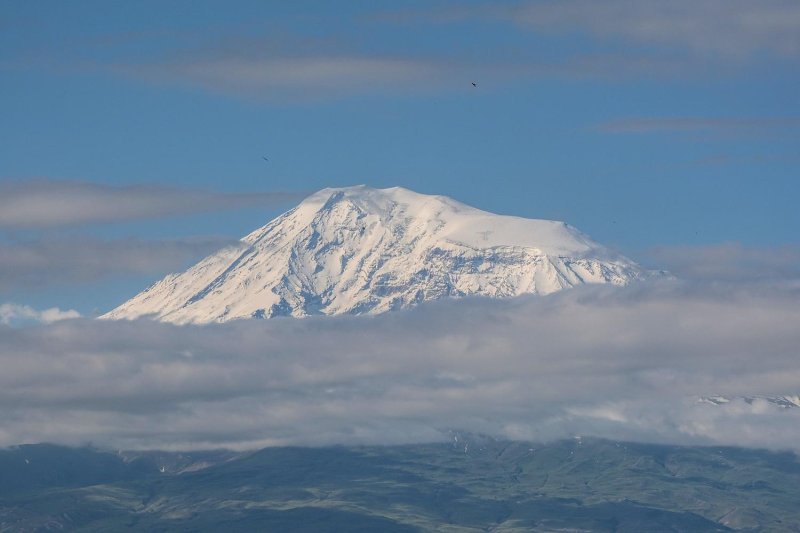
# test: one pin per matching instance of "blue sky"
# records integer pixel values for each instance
(648, 125)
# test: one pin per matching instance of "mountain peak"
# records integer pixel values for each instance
(361, 250)
(455, 221)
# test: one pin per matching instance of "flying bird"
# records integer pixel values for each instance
(265, 158)
(474, 84)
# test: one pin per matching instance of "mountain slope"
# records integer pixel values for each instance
(474, 484)
(360, 250)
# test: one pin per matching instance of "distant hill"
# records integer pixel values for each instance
(471, 484)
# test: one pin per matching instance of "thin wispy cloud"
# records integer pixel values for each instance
(628, 38)
(730, 262)
(307, 76)
(722, 124)
(46, 203)
(566, 39)
(631, 38)
(624, 364)
(67, 260)
(730, 29)
(331, 77)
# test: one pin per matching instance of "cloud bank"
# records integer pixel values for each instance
(55, 203)
(618, 363)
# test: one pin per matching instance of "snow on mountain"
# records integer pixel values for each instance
(361, 250)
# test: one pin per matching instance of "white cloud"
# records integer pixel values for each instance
(11, 314)
(599, 361)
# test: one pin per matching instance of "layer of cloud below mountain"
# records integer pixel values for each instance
(619, 363)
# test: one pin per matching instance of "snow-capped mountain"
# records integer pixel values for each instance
(361, 250)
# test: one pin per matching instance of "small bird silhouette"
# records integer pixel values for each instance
(265, 158)
(474, 84)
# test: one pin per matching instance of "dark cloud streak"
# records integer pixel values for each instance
(66, 260)
(47, 203)
(730, 262)
(737, 124)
